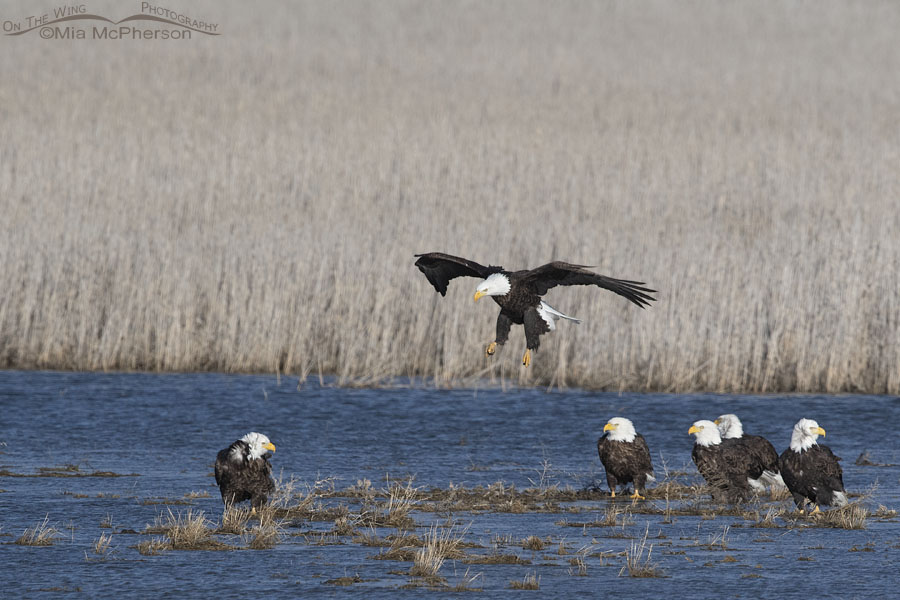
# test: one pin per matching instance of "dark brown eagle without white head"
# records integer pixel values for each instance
(243, 471)
(519, 292)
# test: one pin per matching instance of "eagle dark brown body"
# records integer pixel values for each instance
(241, 477)
(518, 293)
(625, 462)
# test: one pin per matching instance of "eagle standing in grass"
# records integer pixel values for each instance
(243, 471)
(764, 458)
(625, 456)
(810, 470)
(724, 464)
(519, 292)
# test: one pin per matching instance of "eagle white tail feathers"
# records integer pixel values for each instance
(550, 315)
(773, 479)
(756, 484)
(840, 499)
(650, 476)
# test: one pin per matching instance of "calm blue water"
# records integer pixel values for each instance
(168, 428)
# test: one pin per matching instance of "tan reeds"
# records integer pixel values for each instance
(191, 233)
(187, 530)
(101, 544)
(637, 564)
(850, 516)
(42, 534)
(440, 544)
(530, 582)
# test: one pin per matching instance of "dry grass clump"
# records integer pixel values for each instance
(768, 519)
(186, 530)
(466, 583)
(264, 536)
(154, 546)
(440, 543)
(533, 542)
(101, 544)
(851, 516)
(579, 566)
(495, 558)
(531, 581)
(636, 563)
(42, 534)
(401, 547)
(234, 520)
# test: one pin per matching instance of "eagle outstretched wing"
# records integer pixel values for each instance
(440, 268)
(557, 273)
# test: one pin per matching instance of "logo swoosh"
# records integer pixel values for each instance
(126, 19)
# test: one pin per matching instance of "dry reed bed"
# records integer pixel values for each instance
(260, 212)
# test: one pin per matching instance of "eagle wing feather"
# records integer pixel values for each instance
(440, 268)
(545, 277)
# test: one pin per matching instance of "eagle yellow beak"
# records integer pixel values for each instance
(693, 429)
(478, 295)
(718, 421)
(270, 446)
(820, 431)
(609, 427)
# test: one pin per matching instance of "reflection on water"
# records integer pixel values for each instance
(168, 428)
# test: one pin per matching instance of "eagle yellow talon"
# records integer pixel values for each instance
(492, 347)
(612, 493)
(636, 496)
(815, 510)
(526, 360)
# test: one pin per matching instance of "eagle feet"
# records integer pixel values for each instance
(526, 360)
(492, 347)
(637, 496)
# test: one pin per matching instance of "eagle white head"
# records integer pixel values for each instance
(729, 426)
(620, 429)
(804, 435)
(706, 432)
(497, 284)
(258, 444)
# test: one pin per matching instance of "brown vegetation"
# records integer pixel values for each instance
(42, 534)
(529, 582)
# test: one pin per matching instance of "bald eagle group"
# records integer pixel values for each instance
(734, 465)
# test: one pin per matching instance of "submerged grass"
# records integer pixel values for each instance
(764, 213)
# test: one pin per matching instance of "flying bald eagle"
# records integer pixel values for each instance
(810, 470)
(519, 292)
(625, 456)
(243, 471)
(724, 464)
(764, 458)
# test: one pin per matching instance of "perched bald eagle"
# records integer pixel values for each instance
(810, 470)
(519, 292)
(625, 456)
(764, 458)
(243, 471)
(724, 464)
